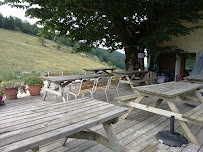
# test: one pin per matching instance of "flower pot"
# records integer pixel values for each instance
(11, 93)
(35, 89)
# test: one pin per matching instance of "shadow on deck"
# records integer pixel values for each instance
(137, 132)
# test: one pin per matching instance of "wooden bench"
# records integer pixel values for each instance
(126, 98)
(196, 115)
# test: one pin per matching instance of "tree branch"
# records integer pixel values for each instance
(91, 10)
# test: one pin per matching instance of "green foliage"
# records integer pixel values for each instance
(32, 80)
(58, 47)
(7, 76)
(113, 59)
(42, 40)
(17, 24)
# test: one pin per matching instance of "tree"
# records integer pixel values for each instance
(116, 24)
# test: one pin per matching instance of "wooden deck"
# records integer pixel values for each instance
(137, 132)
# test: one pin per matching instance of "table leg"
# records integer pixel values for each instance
(45, 93)
(138, 100)
(129, 80)
(183, 124)
(198, 95)
(115, 145)
(62, 93)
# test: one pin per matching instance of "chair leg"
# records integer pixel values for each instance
(106, 95)
(68, 95)
(117, 91)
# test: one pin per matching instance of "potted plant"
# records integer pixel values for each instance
(34, 85)
(11, 88)
(1, 96)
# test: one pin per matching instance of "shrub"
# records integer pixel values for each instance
(32, 80)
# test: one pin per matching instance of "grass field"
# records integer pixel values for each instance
(22, 52)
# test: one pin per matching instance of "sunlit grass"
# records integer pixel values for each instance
(22, 52)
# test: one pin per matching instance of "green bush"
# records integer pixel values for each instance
(32, 80)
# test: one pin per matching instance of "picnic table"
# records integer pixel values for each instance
(62, 81)
(30, 127)
(97, 70)
(133, 77)
(168, 92)
(198, 78)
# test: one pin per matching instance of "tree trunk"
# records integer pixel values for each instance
(132, 62)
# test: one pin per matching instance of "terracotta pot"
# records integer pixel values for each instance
(11, 93)
(35, 89)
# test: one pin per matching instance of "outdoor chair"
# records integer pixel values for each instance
(114, 83)
(17, 74)
(179, 77)
(102, 84)
(54, 74)
(86, 86)
(67, 73)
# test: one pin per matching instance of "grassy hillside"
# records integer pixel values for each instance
(22, 52)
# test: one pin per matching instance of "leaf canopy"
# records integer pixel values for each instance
(115, 24)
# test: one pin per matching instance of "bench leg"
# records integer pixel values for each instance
(183, 124)
(138, 100)
(115, 145)
(35, 149)
(158, 102)
(198, 95)
(45, 94)
(62, 93)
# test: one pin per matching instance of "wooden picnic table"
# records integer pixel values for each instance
(62, 81)
(130, 75)
(168, 92)
(198, 78)
(97, 70)
(26, 127)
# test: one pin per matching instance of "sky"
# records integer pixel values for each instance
(6, 10)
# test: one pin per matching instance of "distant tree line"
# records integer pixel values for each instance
(15, 24)
(113, 59)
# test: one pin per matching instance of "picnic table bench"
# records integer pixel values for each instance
(97, 70)
(168, 92)
(198, 78)
(134, 77)
(28, 128)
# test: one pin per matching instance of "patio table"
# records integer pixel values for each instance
(167, 92)
(131, 75)
(28, 128)
(62, 81)
(97, 70)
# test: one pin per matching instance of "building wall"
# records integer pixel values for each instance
(190, 43)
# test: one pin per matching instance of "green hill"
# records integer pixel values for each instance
(23, 52)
